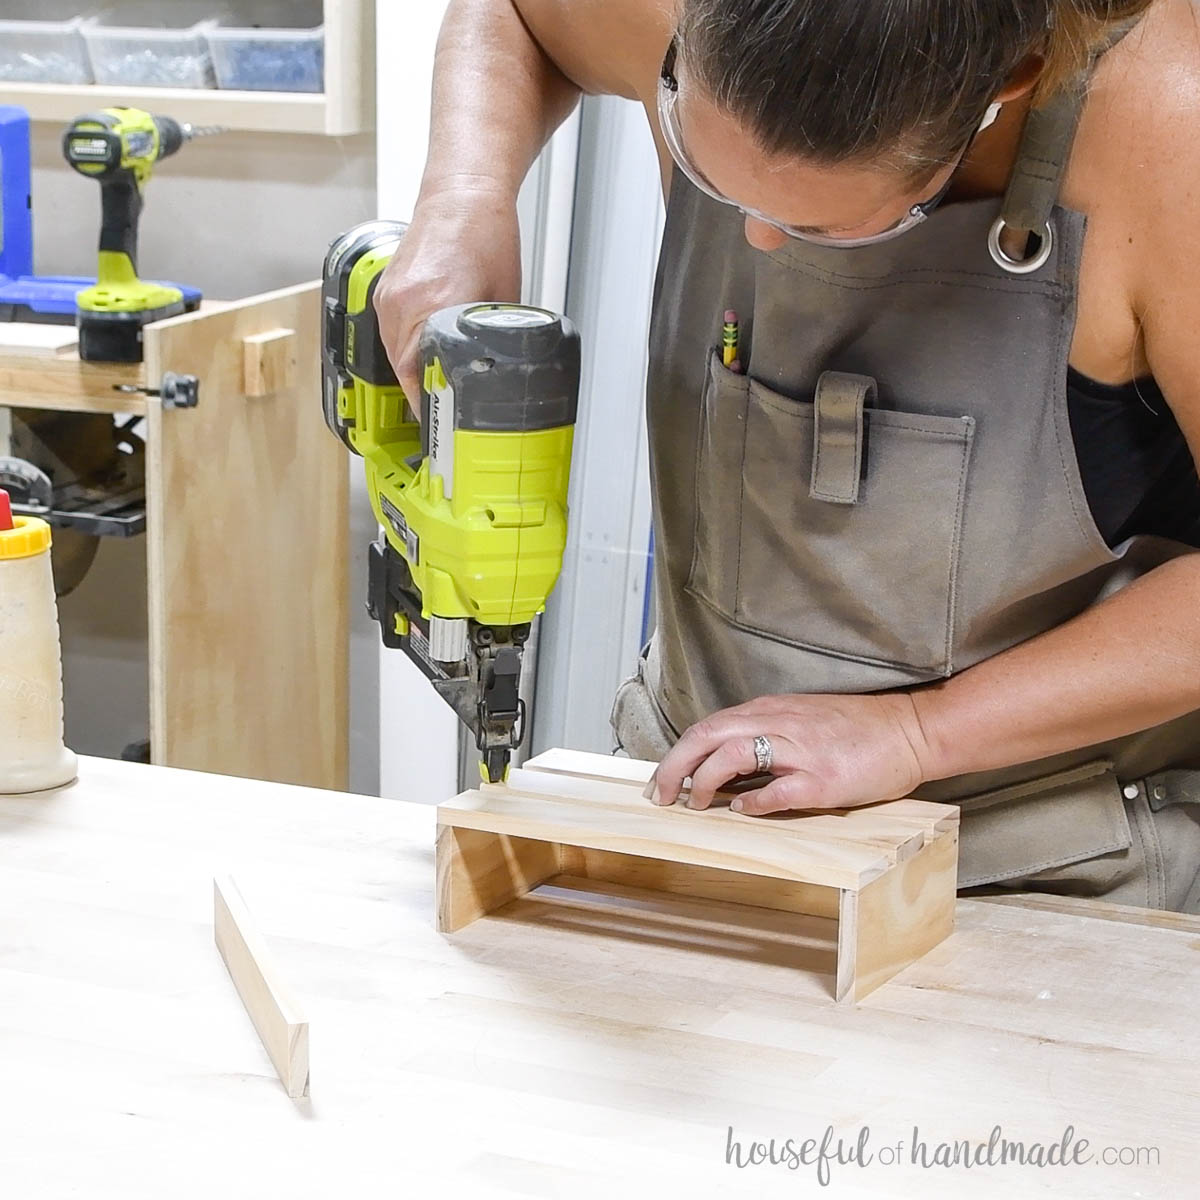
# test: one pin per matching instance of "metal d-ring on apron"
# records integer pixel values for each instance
(818, 533)
(1034, 185)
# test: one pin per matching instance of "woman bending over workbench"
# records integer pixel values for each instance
(927, 524)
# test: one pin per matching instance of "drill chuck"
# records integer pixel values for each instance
(171, 135)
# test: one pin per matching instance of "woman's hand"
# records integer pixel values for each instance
(827, 752)
(463, 245)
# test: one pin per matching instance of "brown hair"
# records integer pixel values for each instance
(1078, 29)
(902, 82)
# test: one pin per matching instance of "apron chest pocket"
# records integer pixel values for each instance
(872, 579)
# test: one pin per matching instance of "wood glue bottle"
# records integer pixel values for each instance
(32, 754)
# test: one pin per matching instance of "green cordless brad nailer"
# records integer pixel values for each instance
(473, 498)
(119, 147)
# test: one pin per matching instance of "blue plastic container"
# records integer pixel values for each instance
(270, 46)
(41, 41)
(146, 43)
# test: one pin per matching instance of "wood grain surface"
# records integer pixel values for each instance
(247, 552)
(31, 378)
(834, 849)
(885, 872)
(264, 993)
(580, 1042)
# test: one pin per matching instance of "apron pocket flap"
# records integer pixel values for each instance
(838, 434)
(1050, 822)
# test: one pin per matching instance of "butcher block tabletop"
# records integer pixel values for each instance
(574, 1044)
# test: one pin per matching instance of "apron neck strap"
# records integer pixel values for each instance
(1042, 159)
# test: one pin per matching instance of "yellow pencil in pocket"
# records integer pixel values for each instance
(729, 338)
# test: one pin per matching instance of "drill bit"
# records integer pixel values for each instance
(191, 132)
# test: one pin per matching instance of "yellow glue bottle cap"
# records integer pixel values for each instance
(21, 537)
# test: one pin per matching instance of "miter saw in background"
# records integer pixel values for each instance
(84, 473)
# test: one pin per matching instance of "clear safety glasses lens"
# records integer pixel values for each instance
(668, 92)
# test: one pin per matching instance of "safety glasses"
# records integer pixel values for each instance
(668, 96)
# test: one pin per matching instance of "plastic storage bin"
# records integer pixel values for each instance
(145, 44)
(270, 46)
(41, 42)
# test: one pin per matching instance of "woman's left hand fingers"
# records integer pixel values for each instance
(730, 759)
(788, 793)
(698, 743)
(826, 752)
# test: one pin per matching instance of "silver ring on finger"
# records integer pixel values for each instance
(764, 756)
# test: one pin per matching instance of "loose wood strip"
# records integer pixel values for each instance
(749, 846)
(274, 1013)
(592, 766)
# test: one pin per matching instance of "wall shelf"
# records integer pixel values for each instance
(346, 106)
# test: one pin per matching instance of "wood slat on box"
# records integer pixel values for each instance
(887, 871)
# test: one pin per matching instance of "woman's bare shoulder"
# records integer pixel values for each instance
(1143, 166)
(606, 47)
(1144, 101)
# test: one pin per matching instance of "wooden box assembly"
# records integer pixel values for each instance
(886, 873)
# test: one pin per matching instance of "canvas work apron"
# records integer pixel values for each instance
(888, 495)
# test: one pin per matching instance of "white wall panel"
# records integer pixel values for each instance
(593, 624)
(418, 732)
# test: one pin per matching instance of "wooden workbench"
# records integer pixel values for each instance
(567, 1046)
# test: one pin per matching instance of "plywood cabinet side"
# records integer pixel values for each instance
(247, 554)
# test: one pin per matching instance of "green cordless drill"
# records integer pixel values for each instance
(118, 147)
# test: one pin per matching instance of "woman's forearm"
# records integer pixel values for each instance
(1126, 664)
(497, 98)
